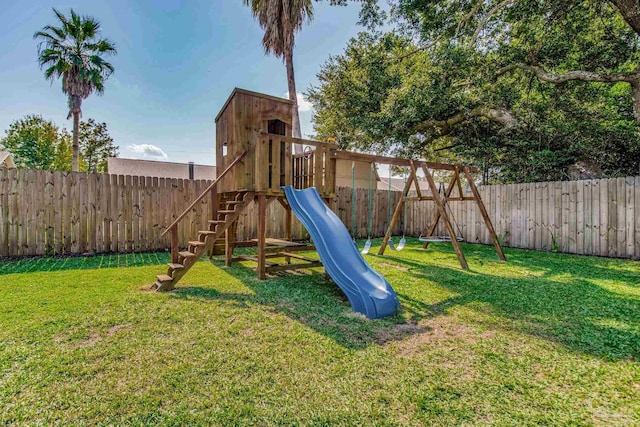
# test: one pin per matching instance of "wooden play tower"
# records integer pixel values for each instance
(254, 152)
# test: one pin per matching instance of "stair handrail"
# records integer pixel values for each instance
(204, 193)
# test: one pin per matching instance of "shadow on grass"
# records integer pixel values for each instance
(559, 302)
(312, 299)
(572, 311)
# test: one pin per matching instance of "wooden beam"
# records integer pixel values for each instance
(443, 213)
(436, 214)
(293, 140)
(415, 179)
(485, 215)
(229, 237)
(285, 267)
(214, 213)
(396, 161)
(430, 199)
(297, 256)
(262, 235)
(396, 214)
(254, 259)
(305, 248)
(174, 245)
(350, 155)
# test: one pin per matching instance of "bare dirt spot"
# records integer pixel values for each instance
(396, 266)
(115, 328)
(400, 332)
(441, 331)
(96, 337)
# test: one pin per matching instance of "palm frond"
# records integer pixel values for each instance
(73, 52)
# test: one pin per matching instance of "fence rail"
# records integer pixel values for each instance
(57, 213)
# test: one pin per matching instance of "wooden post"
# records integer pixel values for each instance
(174, 245)
(415, 178)
(485, 215)
(436, 215)
(262, 235)
(396, 213)
(229, 240)
(214, 201)
(288, 227)
(443, 213)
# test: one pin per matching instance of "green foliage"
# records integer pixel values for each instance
(437, 87)
(96, 146)
(37, 143)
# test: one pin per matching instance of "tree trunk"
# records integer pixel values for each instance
(76, 132)
(293, 96)
(630, 11)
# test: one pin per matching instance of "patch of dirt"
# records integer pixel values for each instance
(400, 332)
(439, 330)
(96, 337)
(396, 266)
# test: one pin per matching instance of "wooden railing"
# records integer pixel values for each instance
(316, 168)
(211, 189)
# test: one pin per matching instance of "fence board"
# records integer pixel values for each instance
(69, 213)
(630, 219)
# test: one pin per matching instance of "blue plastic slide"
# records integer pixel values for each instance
(368, 292)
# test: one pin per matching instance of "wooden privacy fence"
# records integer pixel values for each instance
(56, 213)
(591, 217)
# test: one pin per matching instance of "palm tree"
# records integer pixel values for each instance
(280, 20)
(73, 52)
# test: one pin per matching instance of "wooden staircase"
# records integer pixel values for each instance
(226, 208)
(206, 238)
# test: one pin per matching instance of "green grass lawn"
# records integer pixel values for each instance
(546, 339)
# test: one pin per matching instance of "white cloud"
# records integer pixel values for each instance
(303, 104)
(148, 150)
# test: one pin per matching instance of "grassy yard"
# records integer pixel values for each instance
(545, 339)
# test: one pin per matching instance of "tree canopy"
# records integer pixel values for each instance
(37, 143)
(528, 90)
(96, 146)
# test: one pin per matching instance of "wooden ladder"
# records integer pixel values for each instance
(224, 213)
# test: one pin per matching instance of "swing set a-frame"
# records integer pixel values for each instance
(441, 201)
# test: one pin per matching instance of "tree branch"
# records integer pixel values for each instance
(630, 11)
(445, 127)
(485, 19)
(585, 76)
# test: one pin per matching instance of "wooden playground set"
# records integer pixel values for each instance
(254, 151)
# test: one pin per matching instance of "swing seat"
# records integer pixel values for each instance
(367, 246)
(401, 244)
(441, 239)
(391, 244)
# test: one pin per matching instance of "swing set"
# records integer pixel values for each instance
(440, 196)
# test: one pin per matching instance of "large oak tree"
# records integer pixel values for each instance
(529, 88)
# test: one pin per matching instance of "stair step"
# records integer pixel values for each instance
(175, 266)
(206, 233)
(196, 243)
(225, 211)
(234, 202)
(186, 254)
(216, 221)
(162, 278)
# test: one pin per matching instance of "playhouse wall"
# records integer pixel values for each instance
(238, 124)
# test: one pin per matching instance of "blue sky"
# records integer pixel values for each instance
(177, 62)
